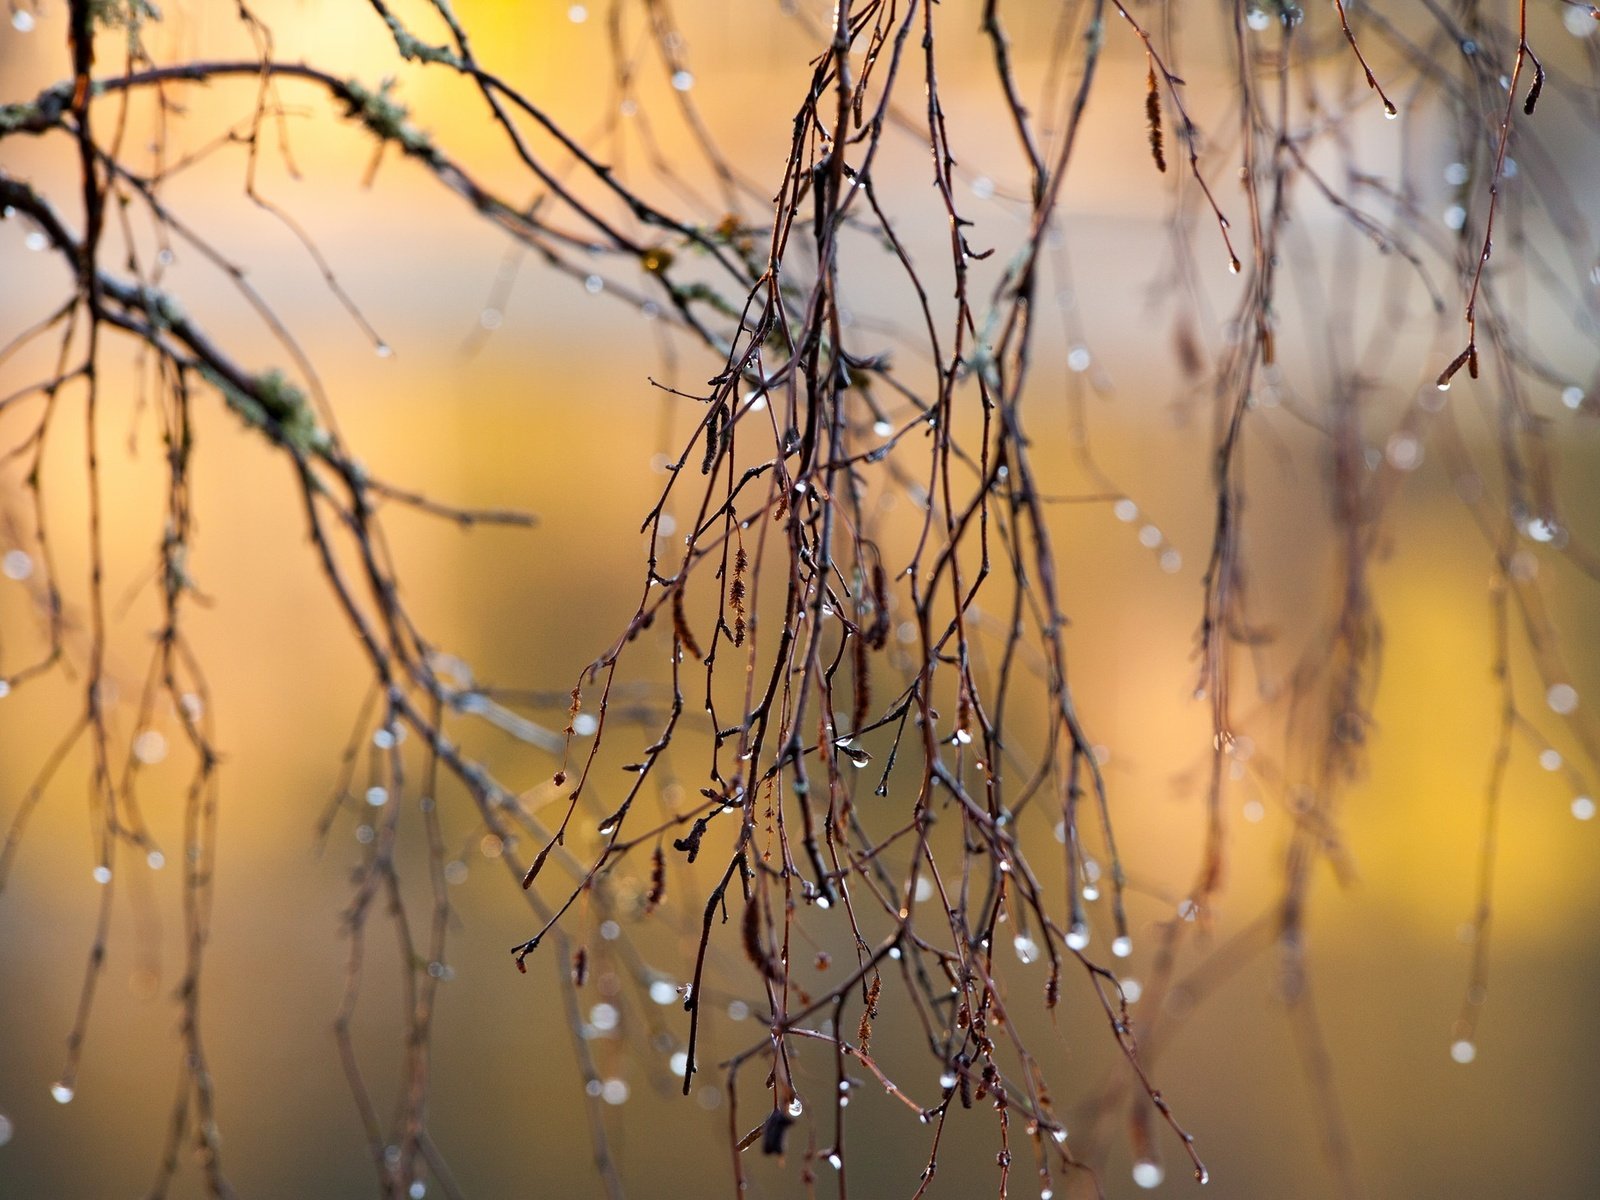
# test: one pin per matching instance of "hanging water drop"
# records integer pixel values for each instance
(1147, 1173)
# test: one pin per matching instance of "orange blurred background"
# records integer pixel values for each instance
(550, 411)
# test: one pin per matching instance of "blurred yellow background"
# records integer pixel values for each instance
(550, 411)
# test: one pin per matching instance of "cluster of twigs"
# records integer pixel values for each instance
(875, 707)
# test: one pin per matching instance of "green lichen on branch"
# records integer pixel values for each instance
(414, 49)
(386, 117)
(274, 405)
(17, 116)
(123, 14)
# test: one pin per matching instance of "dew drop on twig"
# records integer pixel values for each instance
(1562, 698)
(1148, 1174)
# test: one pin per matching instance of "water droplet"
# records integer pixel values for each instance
(1078, 359)
(894, 952)
(417, 1190)
(365, 833)
(35, 241)
(1027, 949)
(1581, 21)
(1403, 451)
(1541, 529)
(577, 14)
(1455, 174)
(155, 860)
(964, 737)
(1091, 892)
(948, 1080)
(1463, 1051)
(983, 188)
(1188, 910)
(1122, 946)
(662, 991)
(1132, 989)
(1059, 1133)
(604, 1017)
(149, 747)
(614, 1091)
(1390, 112)
(795, 1107)
(682, 80)
(1257, 19)
(1148, 1174)
(610, 930)
(834, 1160)
(1125, 510)
(1455, 217)
(17, 564)
(679, 1062)
(1583, 808)
(455, 872)
(22, 21)
(594, 285)
(377, 796)
(491, 318)
(1550, 759)
(1562, 698)
(738, 1010)
(1078, 936)
(1149, 536)
(1572, 397)
(102, 874)
(1254, 811)
(1171, 561)
(62, 1093)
